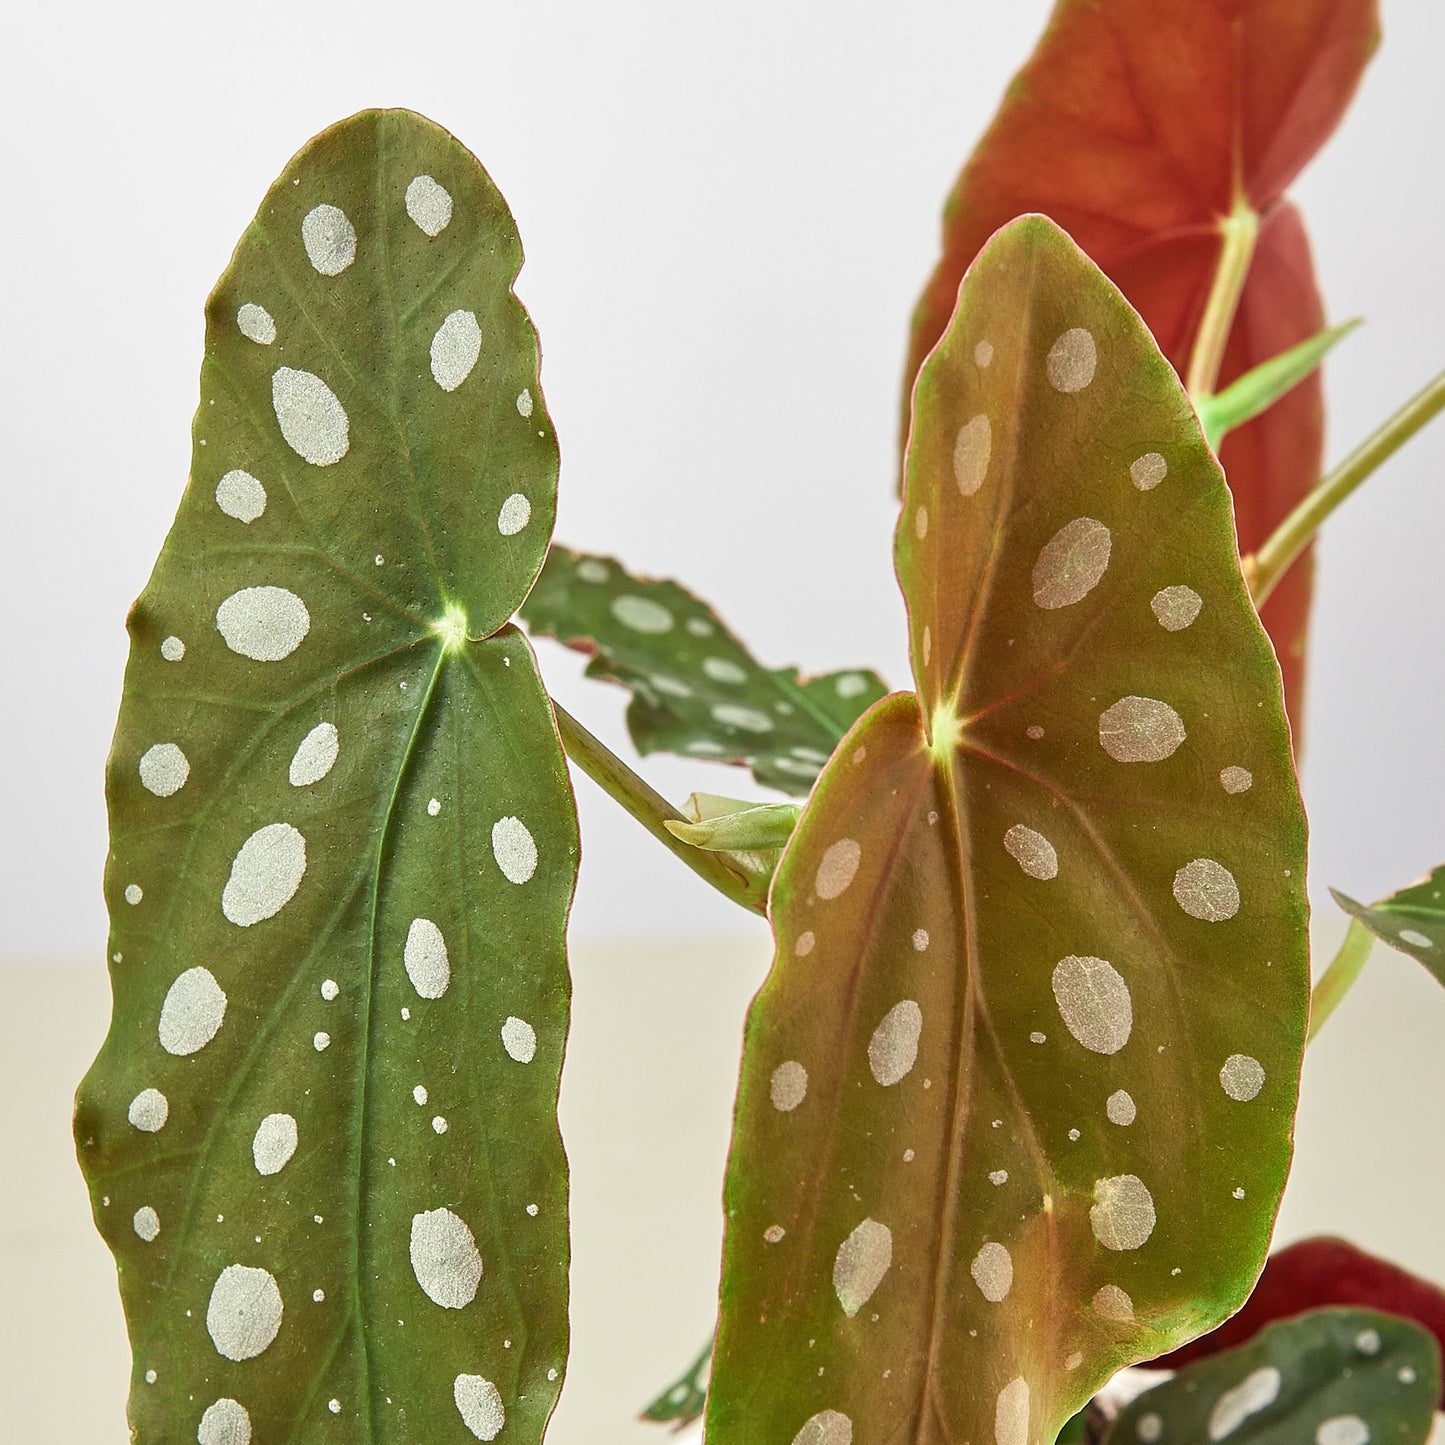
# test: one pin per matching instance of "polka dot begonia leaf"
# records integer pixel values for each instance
(1412, 920)
(696, 690)
(1017, 1096)
(1330, 1377)
(1140, 126)
(343, 843)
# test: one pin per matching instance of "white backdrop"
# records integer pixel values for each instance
(728, 211)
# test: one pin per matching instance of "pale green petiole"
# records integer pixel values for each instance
(1240, 230)
(729, 875)
(1340, 976)
(1264, 569)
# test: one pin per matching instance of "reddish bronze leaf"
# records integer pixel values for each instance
(1138, 125)
(1017, 1096)
(1311, 1275)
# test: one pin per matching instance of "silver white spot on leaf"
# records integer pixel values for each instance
(265, 874)
(1120, 1108)
(240, 495)
(256, 323)
(514, 850)
(827, 1427)
(1414, 939)
(1368, 1342)
(315, 756)
(444, 1258)
(641, 614)
(312, 420)
(133, 893)
(329, 239)
(173, 649)
(1236, 780)
(1175, 607)
(516, 512)
(1242, 1077)
(524, 402)
(455, 349)
(893, 1049)
(1072, 360)
(861, 1262)
(722, 669)
(191, 1015)
(225, 1422)
(1094, 1002)
(1011, 1413)
(149, 1111)
(749, 719)
(429, 204)
(1343, 1430)
(788, 1086)
(146, 1223)
(1206, 890)
(274, 1143)
(244, 1313)
(1071, 563)
(1113, 1303)
(163, 769)
(1032, 852)
(265, 624)
(479, 1403)
(971, 452)
(993, 1272)
(1257, 1391)
(837, 868)
(519, 1039)
(1122, 1215)
(425, 958)
(1140, 730)
(983, 354)
(1148, 471)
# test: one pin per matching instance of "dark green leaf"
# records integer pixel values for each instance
(685, 1399)
(696, 690)
(1412, 920)
(321, 1135)
(1017, 1097)
(1331, 1377)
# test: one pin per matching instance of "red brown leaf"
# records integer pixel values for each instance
(1138, 125)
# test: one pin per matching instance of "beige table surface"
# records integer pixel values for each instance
(645, 1110)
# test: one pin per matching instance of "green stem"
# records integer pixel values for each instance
(653, 811)
(1240, 230)
(1340, 976)
(1293, 535)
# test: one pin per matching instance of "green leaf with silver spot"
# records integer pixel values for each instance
(320, 1136)
(696, 690)
(1329, 1377)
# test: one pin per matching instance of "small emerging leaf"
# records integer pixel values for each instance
(1017, 1096)
(1412, 920)
(321, 1135)
(1315, 1273)
(1332, 1377)
(764, 825)
(1258, 390)
(696, 690)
